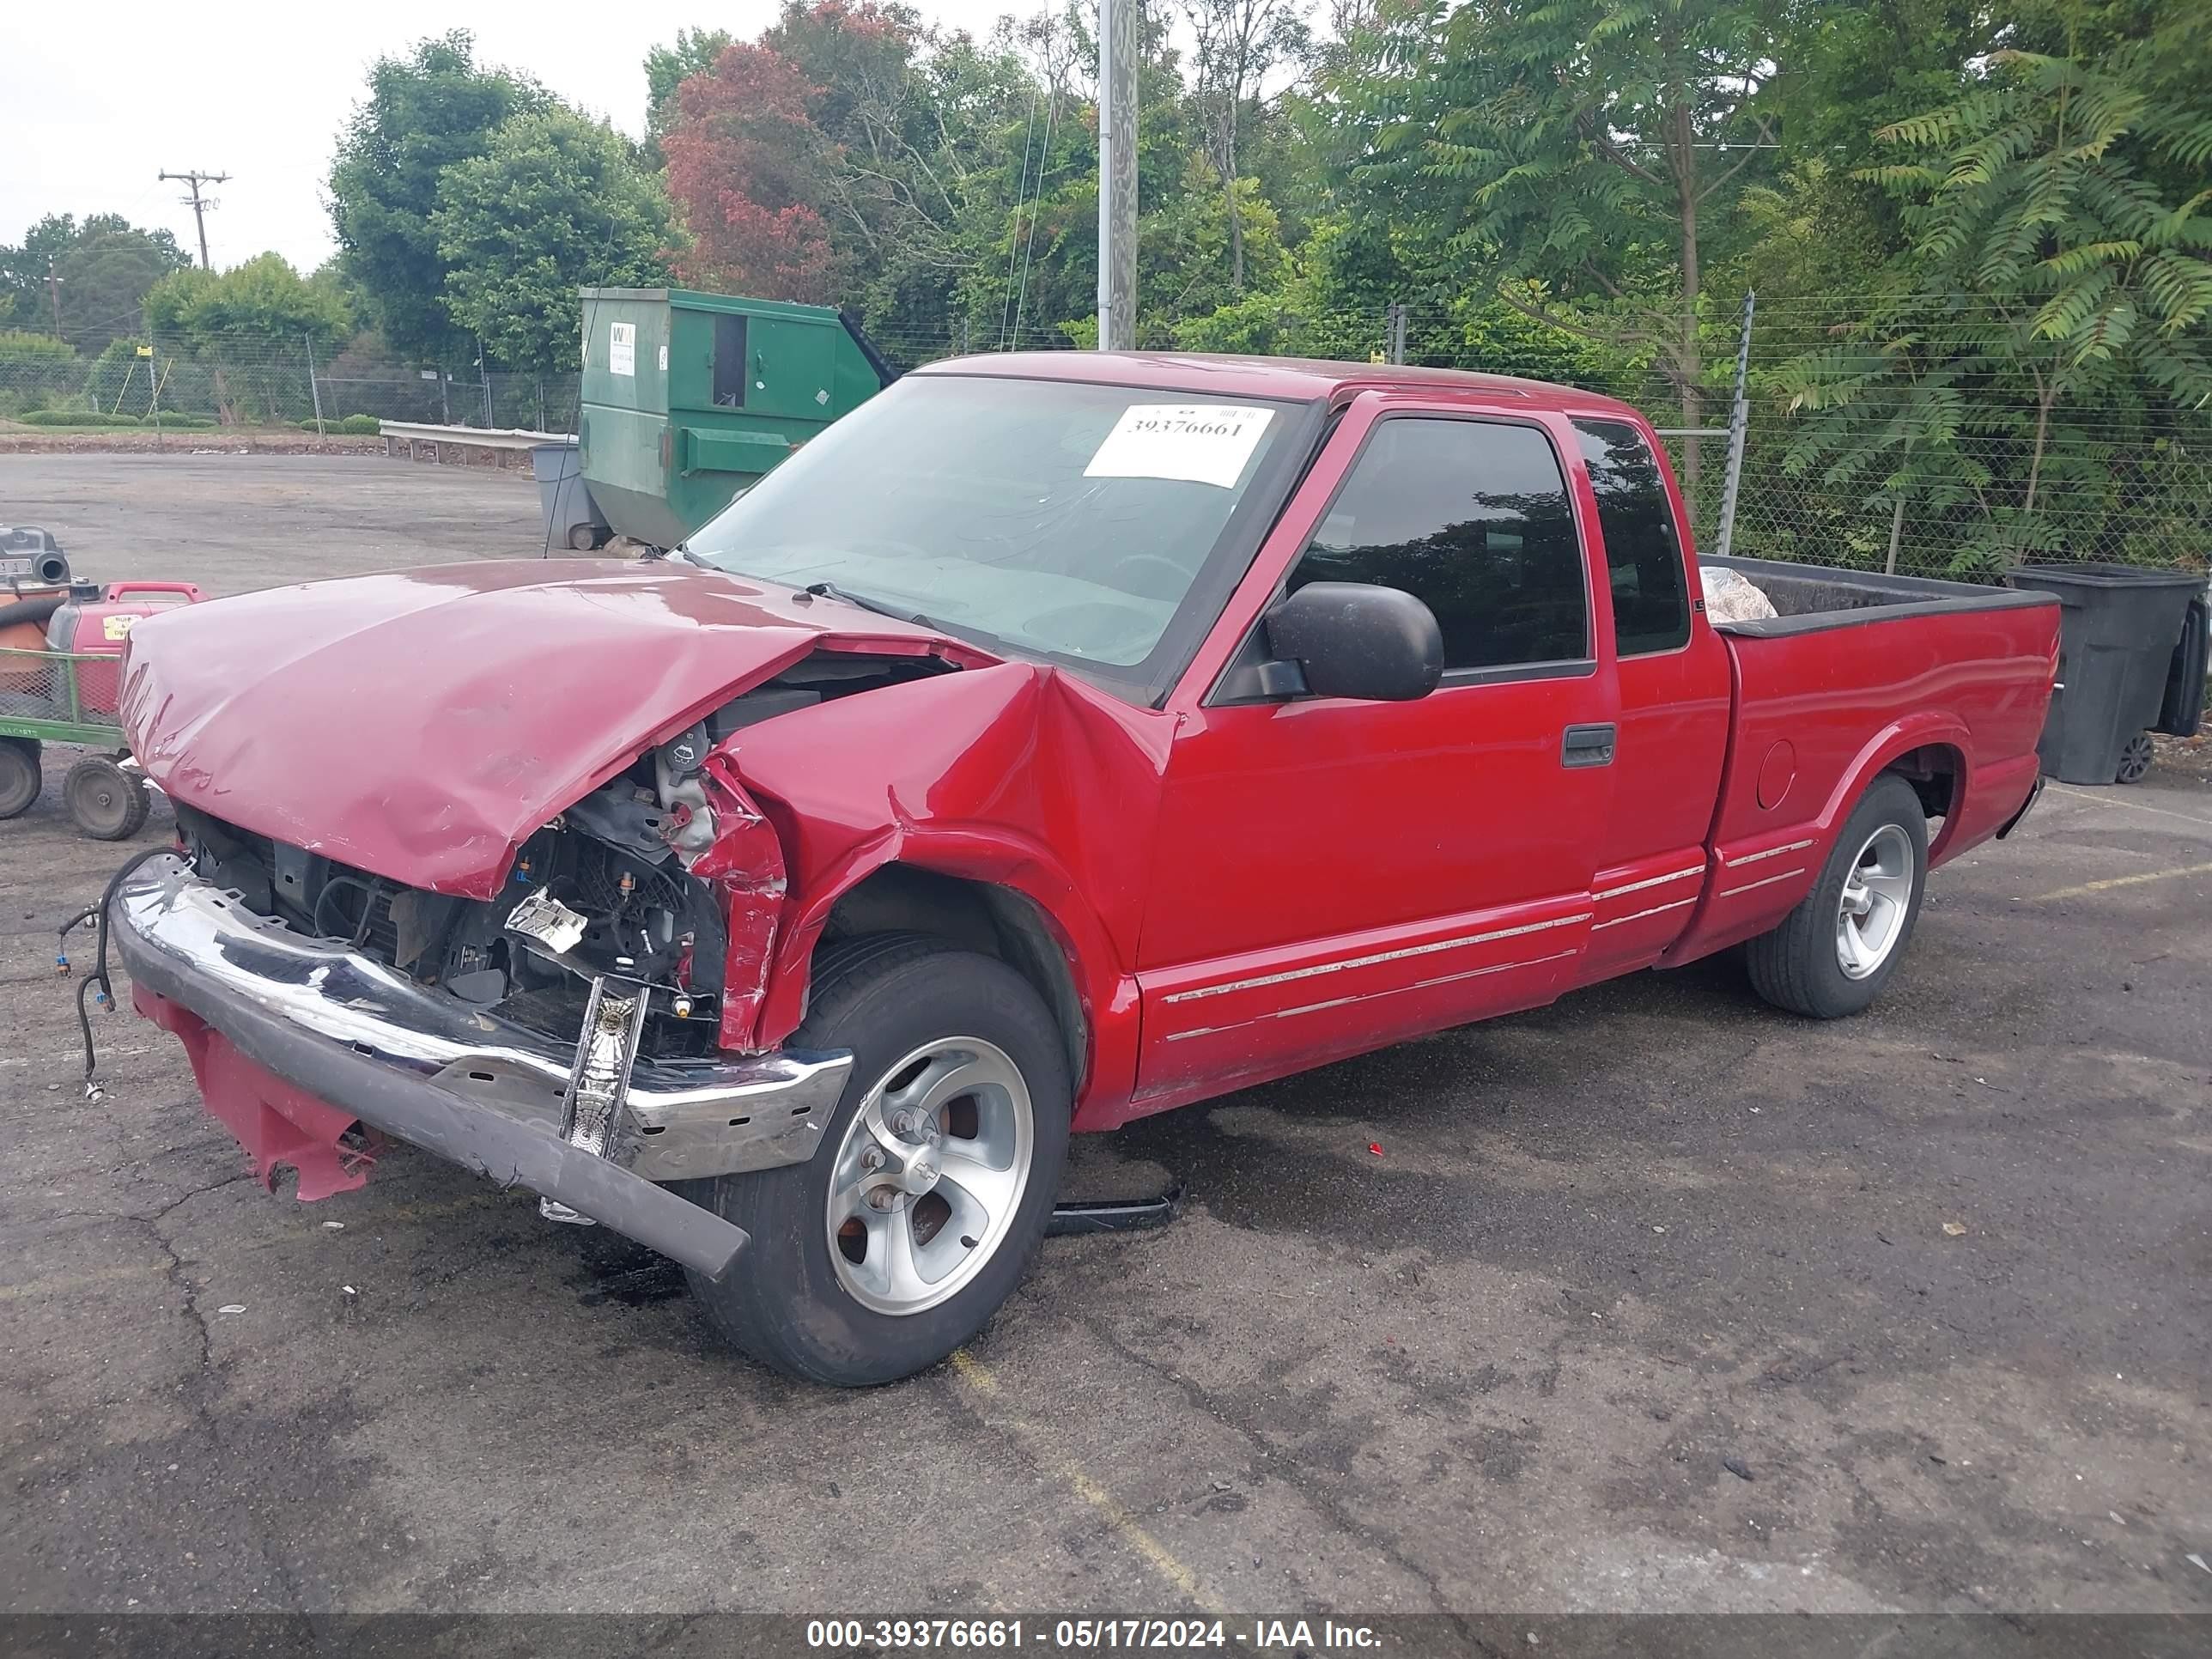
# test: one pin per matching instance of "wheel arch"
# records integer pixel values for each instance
(1930, 752)
(1008, 908)
(1937, 773)
(985, 916)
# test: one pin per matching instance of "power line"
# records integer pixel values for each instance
(1037, 210)
(1021, 188)
(199, 206)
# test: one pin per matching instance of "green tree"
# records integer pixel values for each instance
(1238, 42)
(251, 328)
(557, 203)
(1196, 253)
(103, 267)
(423, 112)
(2058, 295)
(259, 304)
(1574, 153)
(666, 68)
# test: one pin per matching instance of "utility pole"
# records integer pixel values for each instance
(1739, 434)
(54, 294)
(1118, 52)
(199, 206)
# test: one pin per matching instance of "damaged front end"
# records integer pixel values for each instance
(573, 1033)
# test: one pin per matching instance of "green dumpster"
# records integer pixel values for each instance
(688, 396)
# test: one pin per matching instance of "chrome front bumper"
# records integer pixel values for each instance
(429, 1069)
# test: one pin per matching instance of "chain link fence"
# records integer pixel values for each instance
(2126, 478)
(269, 383)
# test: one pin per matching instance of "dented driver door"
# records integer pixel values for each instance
(1332, 875)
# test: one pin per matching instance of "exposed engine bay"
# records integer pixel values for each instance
(603, 891)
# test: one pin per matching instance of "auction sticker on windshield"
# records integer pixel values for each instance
(1195, 443)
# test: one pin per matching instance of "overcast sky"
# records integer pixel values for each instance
(93, 104)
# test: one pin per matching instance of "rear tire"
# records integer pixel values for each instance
(1830, 957)
(104, 801)
(21, 779)
(900, 1293)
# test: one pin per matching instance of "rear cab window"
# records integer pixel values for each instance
(1643, 544)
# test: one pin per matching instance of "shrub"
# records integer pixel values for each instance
(93, 421)
(351, 426)
(74, 417)
(36, 369)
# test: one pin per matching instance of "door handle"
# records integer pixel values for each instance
(1587, 745)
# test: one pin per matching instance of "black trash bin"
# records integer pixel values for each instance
(2120, 629)
(2183, 712)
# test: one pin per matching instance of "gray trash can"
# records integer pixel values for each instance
(2120, 627)
(572, 519)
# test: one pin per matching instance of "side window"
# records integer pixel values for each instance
(729, 361)
(1643, 550)
(1472, 518)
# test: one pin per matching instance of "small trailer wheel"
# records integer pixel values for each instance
(2135, 759)
(20, 777)
(104, 801)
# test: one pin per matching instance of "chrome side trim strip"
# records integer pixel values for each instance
(1652, 881)
(1656, 910)
(1366, 996)
(1730, 892)
(1288, 975)
(1771, 852)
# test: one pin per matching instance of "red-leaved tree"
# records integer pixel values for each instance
(746, 168)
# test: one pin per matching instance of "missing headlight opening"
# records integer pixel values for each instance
(603, 891)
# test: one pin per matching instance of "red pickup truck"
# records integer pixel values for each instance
(1057, 739)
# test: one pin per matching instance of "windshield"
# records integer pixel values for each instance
(1054, 518)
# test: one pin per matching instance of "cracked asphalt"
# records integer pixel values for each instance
(1653, 1300)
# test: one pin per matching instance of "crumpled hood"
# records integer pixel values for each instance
(421, 724)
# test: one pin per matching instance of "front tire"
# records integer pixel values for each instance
(922, 1208)
(1831, 955)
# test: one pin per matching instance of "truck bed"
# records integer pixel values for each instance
(1944, 682)
(1814, 598)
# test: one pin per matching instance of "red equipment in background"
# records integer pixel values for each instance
(61, 681)
(98, 625)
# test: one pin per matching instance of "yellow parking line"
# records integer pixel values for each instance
(2111, 881)
(2204, 825)
(973, 1372)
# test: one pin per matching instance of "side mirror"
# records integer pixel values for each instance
(1352, 640)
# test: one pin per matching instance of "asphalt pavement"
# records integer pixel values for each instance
(1655, 1299)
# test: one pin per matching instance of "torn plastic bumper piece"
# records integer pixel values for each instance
(2034, 795)
(1074, 1217)
(322, 1024)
